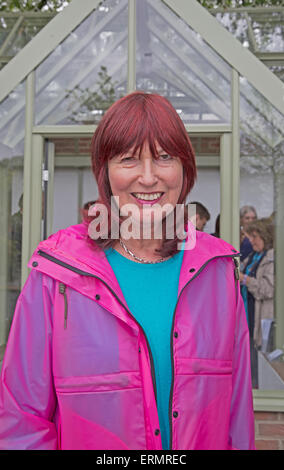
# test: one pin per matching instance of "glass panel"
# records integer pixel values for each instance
(278, 70)
(87, 72)
(262, 202)
(27, 30)
(268, 31)
(73, 181)
(262, 31)
(208, 183)
(236, 24)
(11, 205)
(6, 25)
(175, 62)
(206, 191)
(261, 125)
(205, 146)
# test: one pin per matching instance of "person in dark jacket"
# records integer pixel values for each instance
(247, 215)
(257, 285)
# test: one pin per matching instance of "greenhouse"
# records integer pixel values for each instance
(223, 71)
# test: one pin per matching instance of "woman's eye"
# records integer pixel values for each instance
(127, 159)
(165, 156)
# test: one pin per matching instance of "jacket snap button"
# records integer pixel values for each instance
(192, 270)
(157, 432)
(175, 414)
(35, 264)
(98, 297)
(175, 334)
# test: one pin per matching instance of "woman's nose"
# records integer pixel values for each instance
(148, 175)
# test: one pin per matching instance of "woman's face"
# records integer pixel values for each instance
(144, 181)
(248, 218)
(256, 241)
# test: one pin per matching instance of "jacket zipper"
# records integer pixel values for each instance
(62, 290)
(236, 275)
(84, 273)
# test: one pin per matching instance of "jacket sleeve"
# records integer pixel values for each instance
(263, 287)
(27, 399)
(241, 426)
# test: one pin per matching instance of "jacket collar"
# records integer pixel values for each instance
(202, 248)
(70, 252)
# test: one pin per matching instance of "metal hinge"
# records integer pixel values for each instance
(237, 267)
(45, 174)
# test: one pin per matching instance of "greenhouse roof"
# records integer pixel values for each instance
(17, 29)
(260, 29)
(181, 51)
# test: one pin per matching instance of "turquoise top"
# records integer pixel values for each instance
(150, 291)
(244, 289)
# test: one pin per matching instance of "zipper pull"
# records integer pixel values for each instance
(237, 267)
(62, 290)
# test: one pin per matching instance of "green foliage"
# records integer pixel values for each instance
(93, 104)
(239, 3)
(57, 5)
(33, 5)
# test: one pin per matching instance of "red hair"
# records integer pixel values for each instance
(129, 123)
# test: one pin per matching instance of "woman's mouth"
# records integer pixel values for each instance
(147, 198)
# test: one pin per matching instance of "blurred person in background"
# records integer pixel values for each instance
(85, 210)
(247, 214)
(257, 284)
(202, 216)
(15, 260)
(217, 227)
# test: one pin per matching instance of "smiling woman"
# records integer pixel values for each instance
(146, 181)
(142, 154)
(131, 344)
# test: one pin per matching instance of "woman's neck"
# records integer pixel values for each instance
(143, 248)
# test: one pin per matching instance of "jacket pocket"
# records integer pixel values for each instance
(100, 412)
(98, 383)
(201, 366)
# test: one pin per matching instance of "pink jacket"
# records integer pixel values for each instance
(78, 371)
